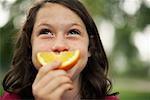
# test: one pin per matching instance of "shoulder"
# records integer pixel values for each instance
(111, 98)
(10, 96)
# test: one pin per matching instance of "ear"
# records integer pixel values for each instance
(89, 54)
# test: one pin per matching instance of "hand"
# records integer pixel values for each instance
(50, 84)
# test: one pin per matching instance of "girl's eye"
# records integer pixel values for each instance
(46, 32)
(74, 32)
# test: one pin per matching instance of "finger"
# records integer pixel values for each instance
(56, 83)
(48, 77)
(45, 69)
(61, 90)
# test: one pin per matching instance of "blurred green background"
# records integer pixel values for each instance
(124, 27)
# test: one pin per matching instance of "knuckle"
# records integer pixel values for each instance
(63, 79)
(63, 88)
(67, 86)
(58, 72)
(62, 71)
(67, 79)
(34, 90)
(42, 70)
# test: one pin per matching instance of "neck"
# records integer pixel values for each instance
(74, 93)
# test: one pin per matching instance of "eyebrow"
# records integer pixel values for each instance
(69, 25)
(43, 24)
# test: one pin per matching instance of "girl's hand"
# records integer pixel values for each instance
(50, 84)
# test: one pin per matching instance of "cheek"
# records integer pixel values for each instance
(83, 47)
(38, 46)
(76, 70)
(83, 58)
(83, 51)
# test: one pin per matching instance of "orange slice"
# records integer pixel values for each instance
(68, 58)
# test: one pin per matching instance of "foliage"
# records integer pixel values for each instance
(125, 26)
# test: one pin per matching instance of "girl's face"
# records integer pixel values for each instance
(58, 29)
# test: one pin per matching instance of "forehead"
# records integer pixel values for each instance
(56, 12)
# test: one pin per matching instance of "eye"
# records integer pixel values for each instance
(46, 32)
(74, 32)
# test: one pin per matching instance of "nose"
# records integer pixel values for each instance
(60, 45)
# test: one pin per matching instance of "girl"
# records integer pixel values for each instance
(58, 25)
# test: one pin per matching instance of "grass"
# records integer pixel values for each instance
(132, 89)
(1, 77)
(1, 88)
(134, 95)
(1, 91)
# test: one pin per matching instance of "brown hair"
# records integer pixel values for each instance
(93, 78)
